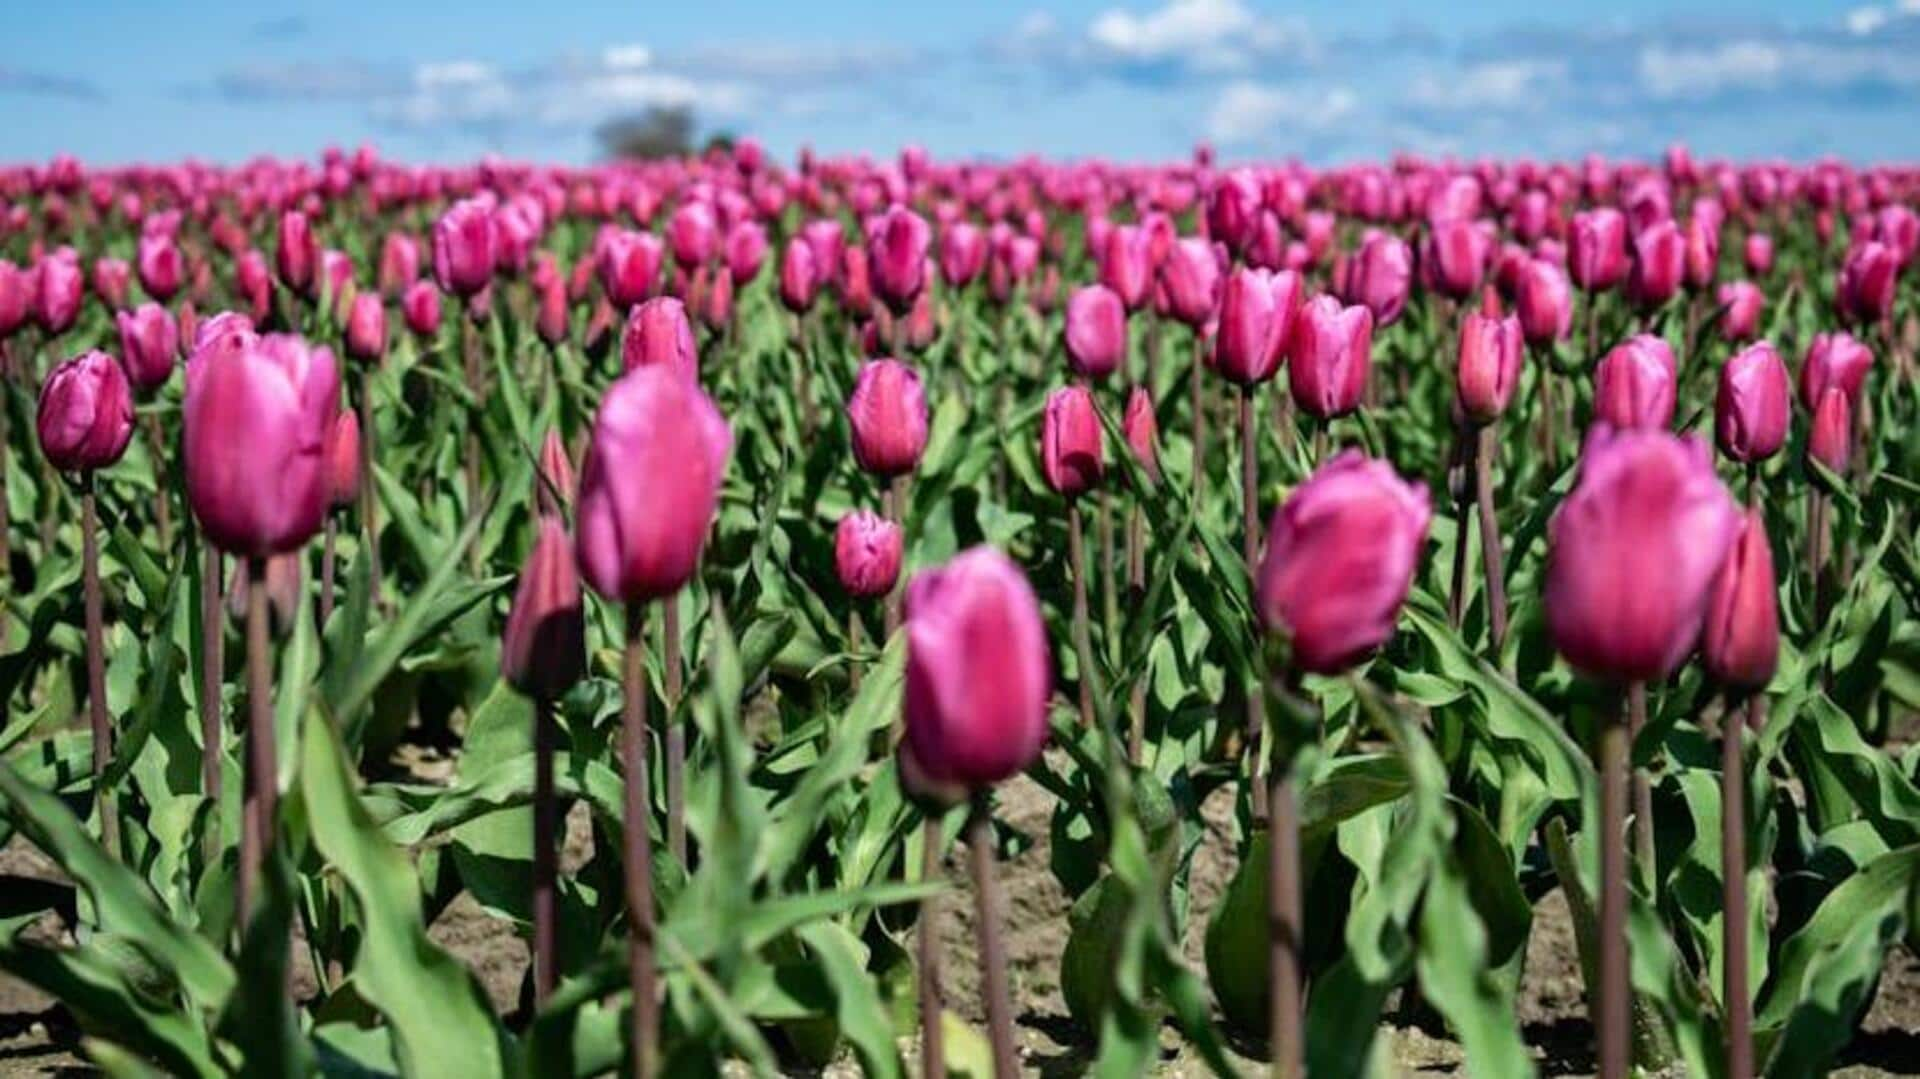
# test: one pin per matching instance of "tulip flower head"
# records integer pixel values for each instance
(1741, 644)
(543, 648)
(1331, 354)
(343, 460)
(1491, 357)
(1635, 384)
(85, 419)
(1072, 443)
(888, 416)
(1258, 309)
(1096, 331)
(1142, 431)
(867, 550)
(149, 341)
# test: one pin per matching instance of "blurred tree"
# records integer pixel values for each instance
(660, 131)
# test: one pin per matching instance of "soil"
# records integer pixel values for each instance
(37, 1037)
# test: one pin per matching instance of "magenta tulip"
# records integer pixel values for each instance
(659, 335)
(1233, 209)
(1741, 642)
(1759, 254)
(1126, 265)
(1659, 262)
(1258, 309)
(1190, 275)
(629, 266)
(963, 253)
(1750, 411)
(1072, 445)
(867, 550)
(1868, 279)
(1330, 356)
(897, 258)
(297, 253)
(61, 291)
(693, 234)
(543, 650)
(86, 413)
(367, 328)
(1831, 440)
(463, 248)
(111, 278)
(1741, 302)
(746, 250)
(799, 276)
(1380, 276)
(343, 460)
(158, 261)
(421, 308)
(1491, 355)
(1457, 251)
(1096, 331)
(1545, 303)
(1142, 431)
(1834, 359)
(1599, 255)
(399, 264)
(14, 299)
(149, 342)
(1634, 386)
(887, 413)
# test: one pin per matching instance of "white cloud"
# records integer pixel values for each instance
(1671, 72)
(1865, 20)
(1249, 111)
(1495, 84)
(1204, 35)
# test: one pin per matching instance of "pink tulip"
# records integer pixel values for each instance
(1126, 265)
(257, 418)
(555, 485)
(159, 264)
(1702, 251)
(60, 285)
(15, 304)
(659, 335)
(856, 282)
(1599, 256)
(629, 266)
(867, 551)
(111, 278)
(1191, 277)
(897, 258)
(1457, 252)
(1340, 556)
(421, 308)
(1867, 283)
(86, 413)
(343, 460)
(1750, 411)
(543, 651)
(963, 253)
(1632, 554)
(1258, 309)
(979, 673)
(253, 284)
(149, 341)
(1545, 303)
(1096, 331)
(799, 276)
(693, 234)
(367, 328)
(825, 239)
(888, 417)
(463, 248)
(1233, 209)
(1759, 254)
(1379, 277)
(1142, 431)
(1659, 261)
(1634, 386)
(1072, 445)
(1491, 354)
(651, 485)
(1741, 643)
(1330, 356)
(1831, 441)
(399, 264)
(1834, 359)
(297, 254)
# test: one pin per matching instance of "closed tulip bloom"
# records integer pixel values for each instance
(555, 486)
(1634, 386)
(399, 264)
(296, 256)
(1380, 276)
(658, 334)
(1257, 313)
(1331, 353)
(258, 415)
(254, 284)
(1750, 411)
(1834, 359)
(1491, 352)
(61, 290)
(651, 485)
(1867, 282)
(463, 248)
(1340, 556)
(1831, 441)
(111, 278)
(867, 550)
(1096, 331)
(553, 310)
(1632, 554)
(1545, 303)
(1459, 249)
(1233, 209)
(1741, 302)
(888, 415)
(1759, 254)
(149, 341)
(158, 260)
(629, 266)
(979, 673)
(1072, 445)
(693, 234)
(1702, 251)
(826, 239)
(799, 276)
(1741, 643)
(543, 650)
(1191, 277)
(1659, 261)
(1142, 431)
(343, 460)
(856, 282)
(215, 326)
(421, 308)
(1126, 265)
(367, 328)
(746, 250)
(897, 258)
(963, 253)
(1599, 256)
(86, 413)
(15, 303)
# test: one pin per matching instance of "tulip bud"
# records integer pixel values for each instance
(1632, 554)
(399, 264)
(554, 485)
(421, 308)
(60, 293)
(1233, 209)
(856, 282)
(367, 328)
(1545, 303)
(979, 673)
(888, 416)
(149, 340)
(1380, 276)
(658, 334)
(693, 233)
(867, 550)
(824, 238)
(651, 484)
(1867, 282)
(1831, 442)
(343, 460)
(1702, 251)
(963, 253)
(629, 266)
(1634, 386)
(1741, 644)
(746, 251)
(1759, 254)
(1599, 256)
(799, 276)
(254, 284)
(1834, 359)
(257, 417)
(1191, 277)
(1458, 256)
(1659, 260)
(1143, 431)
(110, 279)
(1750, 411)
(14, 305)
(1071, 442)
(463, 248)
(543, 651)
(158, 260)
(86, 413)
(1257, 313)
(1096, 331)
(1126, 265)
(1340, 556)
(1491, 354)
(897, 258)
(336, 282)
(297, 254)
(1331, 354)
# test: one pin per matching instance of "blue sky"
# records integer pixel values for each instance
(1129, 79)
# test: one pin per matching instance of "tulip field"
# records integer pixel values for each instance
(895, 616)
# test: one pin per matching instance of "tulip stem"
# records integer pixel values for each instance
(470, 458)
(1464, 452)
(893, 507)
(993, 951)
(212, 670)
(1136, 592)
(1733, 884)
(1284, 922)
(97, 667)
(1197, 405)
(1256, 720)
(638, 859)
(1082, 641)
(262, 784)
(369, 494)
(1817, 550)
(326, 569)
(1611, 1026)
(932, 1052)
(546, 850)
(6, 423)
(162, 503)
(1110, 599)
(676, 732)
(854, 645)
(1642, 789)
(1549, 410)
(1491, 555)
(803, 380)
